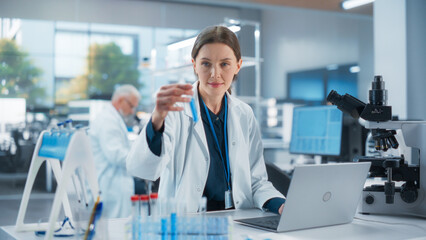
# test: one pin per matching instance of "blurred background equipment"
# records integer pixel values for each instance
(84, 111)
(316, 130)
(12, 126)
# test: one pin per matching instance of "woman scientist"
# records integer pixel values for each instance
(220, 156)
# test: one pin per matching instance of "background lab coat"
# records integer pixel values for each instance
(110, 146)
(184, 161)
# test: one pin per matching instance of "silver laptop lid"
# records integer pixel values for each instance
(323, 195)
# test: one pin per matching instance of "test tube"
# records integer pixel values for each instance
(173, 218)
(182, 220)
(193, 109)
(163, 218)
(135, 216)
(144, 206)
(152, 224)
(191, 104)
(60, 125)
(203, 210)
(68, 122)
(153, 205)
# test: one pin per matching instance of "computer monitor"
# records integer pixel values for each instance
(317, 130)
(312, 86)
(307, 85)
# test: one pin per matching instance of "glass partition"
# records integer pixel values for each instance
(51, 63)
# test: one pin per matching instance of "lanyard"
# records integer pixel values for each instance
(227, 173)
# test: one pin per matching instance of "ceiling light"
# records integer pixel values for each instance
(354, 69)
(191, 41)
(181, 44)
(234, 28)
(348, 4)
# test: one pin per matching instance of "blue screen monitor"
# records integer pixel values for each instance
(307, 85)
(316, 130)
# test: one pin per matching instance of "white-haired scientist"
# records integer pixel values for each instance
(110, 145)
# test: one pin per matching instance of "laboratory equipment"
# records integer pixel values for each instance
(406, 167)
(12, 119)
(72, 148)
(135, 220)
(13, 111)
(174, 223)
(317, 130)
(94, 217)
(153, 197)
(144, 206)
(85, 111)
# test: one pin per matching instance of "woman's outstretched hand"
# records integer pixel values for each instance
(166, 99)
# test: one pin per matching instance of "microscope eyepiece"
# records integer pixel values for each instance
(334, 97)
(376, 110)
(346, 103)
(378, 95)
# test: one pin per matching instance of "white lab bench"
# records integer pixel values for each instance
(362, 227)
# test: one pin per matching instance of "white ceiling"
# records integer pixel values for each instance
(325, 5)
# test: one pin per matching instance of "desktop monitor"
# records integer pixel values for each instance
(316, 130)
(312, 86)
(307, 85)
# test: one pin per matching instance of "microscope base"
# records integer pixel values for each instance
(377, 204)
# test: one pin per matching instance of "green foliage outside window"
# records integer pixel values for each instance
(18, 75)
(107, 67)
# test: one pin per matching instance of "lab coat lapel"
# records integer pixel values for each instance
(201, 136)
(232, 130)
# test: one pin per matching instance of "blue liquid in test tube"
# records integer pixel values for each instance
(193, 110)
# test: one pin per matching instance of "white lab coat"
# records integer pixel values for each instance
(110, 146)
(184, 161)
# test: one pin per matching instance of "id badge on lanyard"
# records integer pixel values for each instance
(229, 203)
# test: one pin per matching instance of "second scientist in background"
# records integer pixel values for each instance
(110, 145)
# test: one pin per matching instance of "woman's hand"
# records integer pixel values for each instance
(280, 210)
(166, 99)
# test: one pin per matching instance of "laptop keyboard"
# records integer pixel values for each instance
(270, 222)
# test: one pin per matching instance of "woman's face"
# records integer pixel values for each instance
(215, 66)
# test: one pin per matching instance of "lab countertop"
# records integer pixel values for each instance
(362, 227)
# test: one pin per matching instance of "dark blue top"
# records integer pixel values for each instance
(216, 181)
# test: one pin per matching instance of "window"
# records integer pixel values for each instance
(66, 60)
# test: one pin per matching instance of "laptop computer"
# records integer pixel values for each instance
(319, 195)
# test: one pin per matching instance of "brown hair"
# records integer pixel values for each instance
(217, 34)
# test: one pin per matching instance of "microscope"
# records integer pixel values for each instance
(407, 169)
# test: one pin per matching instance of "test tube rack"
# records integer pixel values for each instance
(72, 148)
